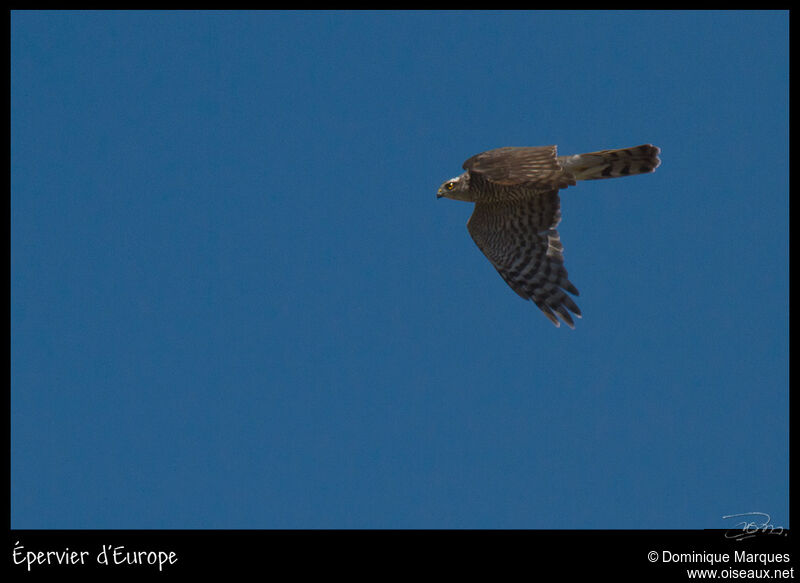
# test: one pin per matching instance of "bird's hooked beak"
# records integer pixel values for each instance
(439, 193)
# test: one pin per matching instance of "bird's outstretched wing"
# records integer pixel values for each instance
(520, 239)
(534, 167)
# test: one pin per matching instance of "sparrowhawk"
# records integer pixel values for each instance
(517, 210)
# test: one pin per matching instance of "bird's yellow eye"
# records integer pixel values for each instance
(450, 185)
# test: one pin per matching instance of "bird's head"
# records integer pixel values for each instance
(456, 188)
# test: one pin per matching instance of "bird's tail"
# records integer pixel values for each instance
(612, 163)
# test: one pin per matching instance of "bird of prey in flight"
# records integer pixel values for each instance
(517, 210)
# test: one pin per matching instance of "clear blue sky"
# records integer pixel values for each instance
(237, 303)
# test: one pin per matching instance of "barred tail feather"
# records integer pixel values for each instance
(612, 163)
